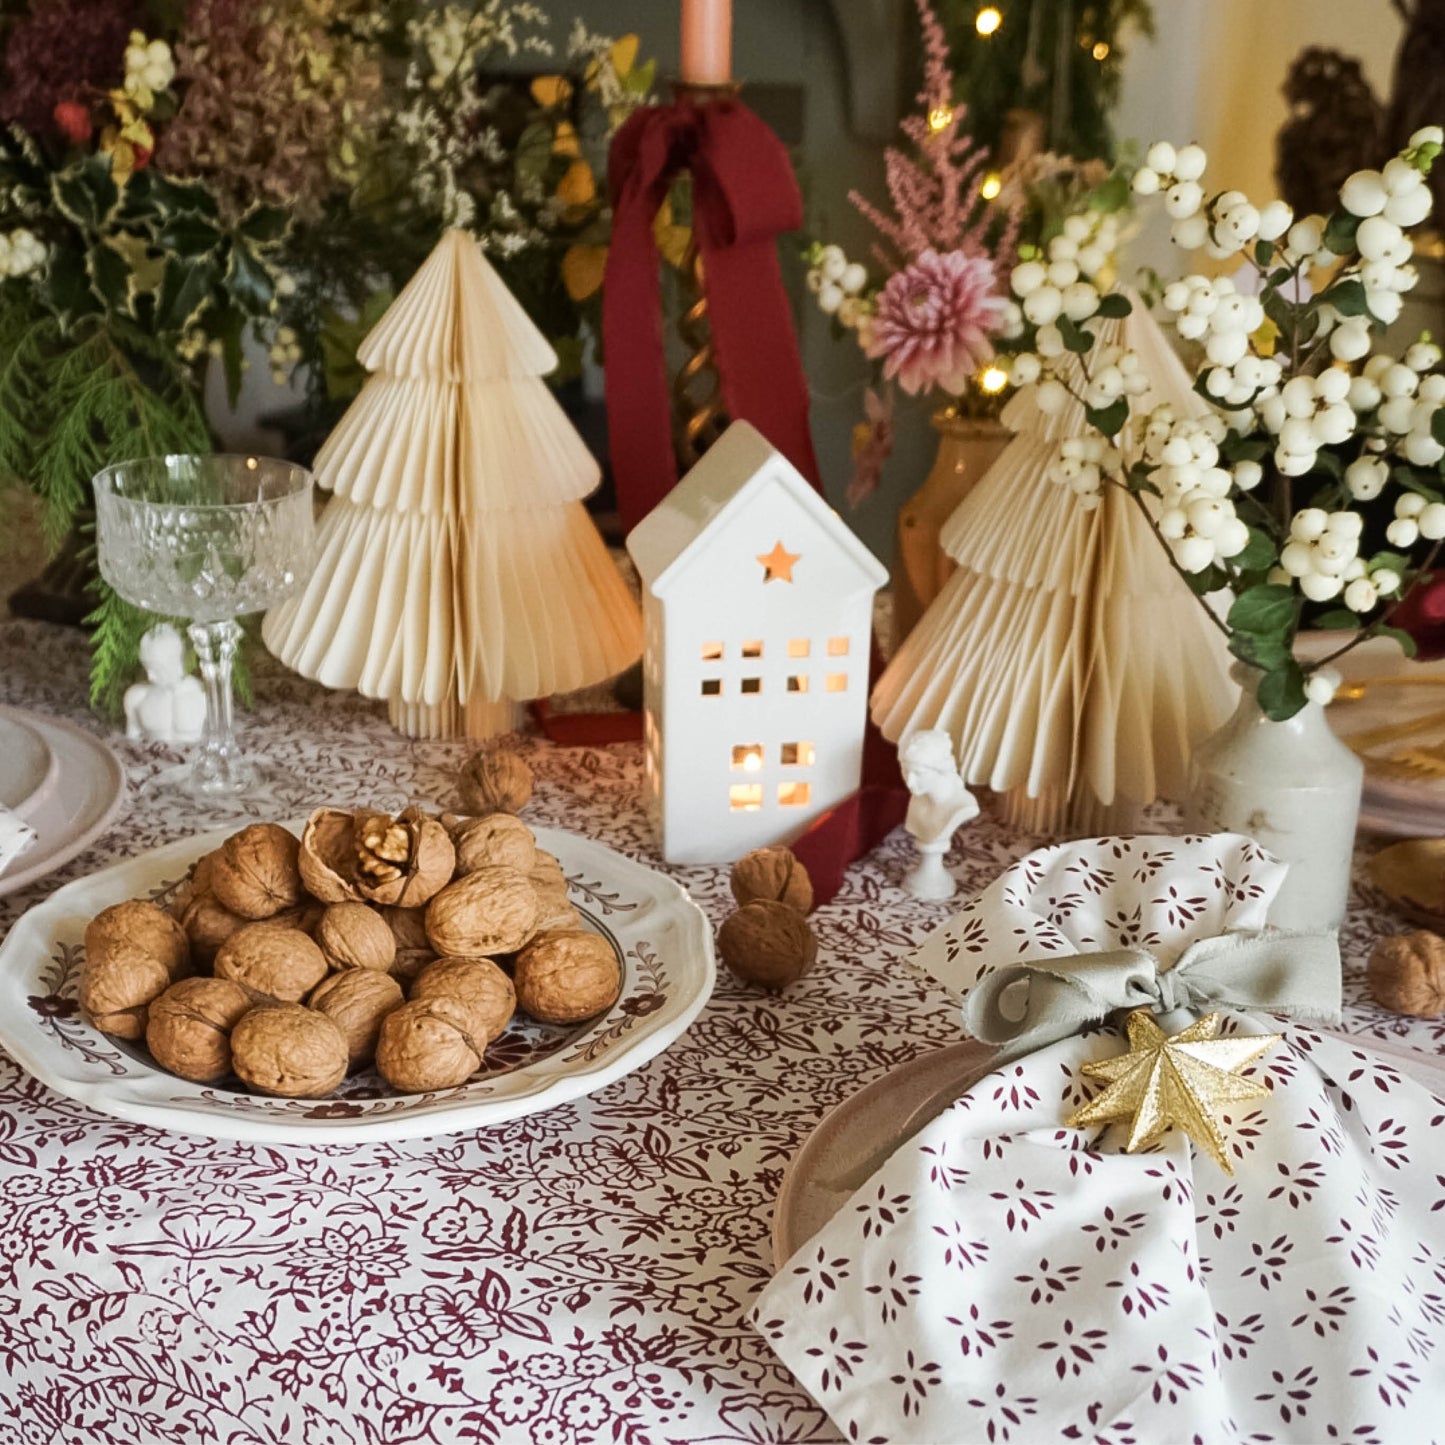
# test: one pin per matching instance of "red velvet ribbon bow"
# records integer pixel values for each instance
(744, 195)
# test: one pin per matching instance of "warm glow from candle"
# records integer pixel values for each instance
(940, 119)
(707, 42)
(993, 380)
(992, 185)
(1101, 50)
(988, 20)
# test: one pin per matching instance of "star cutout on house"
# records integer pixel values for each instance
(1181, 1080)
(778, 564)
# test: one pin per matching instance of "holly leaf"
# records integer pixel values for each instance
(227, 326)
(264, 226)
(110, 278)
(188, 236)
(1282, 691)
(185, 291)
(87, 193)
(248, 281)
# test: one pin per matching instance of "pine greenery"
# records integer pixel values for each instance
(72, 404)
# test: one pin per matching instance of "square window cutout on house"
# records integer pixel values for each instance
(798, 682)
(712, 651)
(837, 647)
(794, 795)
(712, 687)
(800, 647)
(752, 649)
(798, 755)
(837, 682)
(747, 757)
(752, 684)
(745, 797)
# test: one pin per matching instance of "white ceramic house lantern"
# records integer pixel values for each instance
(758, 609)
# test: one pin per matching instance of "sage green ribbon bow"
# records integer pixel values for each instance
(1286, 973)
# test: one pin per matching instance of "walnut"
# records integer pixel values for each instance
(409, 963)
(546, 872)
(356, 1001)
(772, 873)
(256, 872)
(208, 924)
(1407, 974)
(189, 1027)
(351, 935)
(491, 911)
(565, 977)
(280, 962)
(196, 884)
(328, 856)
(402, 861)
(133, 952)
(288, 1050)
(408, 927)
(497, 841)
(428, 1045)
(476, 982)
(768, 943)
(555, 904)
(495, 780)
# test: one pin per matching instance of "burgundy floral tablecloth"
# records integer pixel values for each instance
(582, 1275)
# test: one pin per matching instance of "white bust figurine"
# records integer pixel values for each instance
(941, 805)
(171, 707)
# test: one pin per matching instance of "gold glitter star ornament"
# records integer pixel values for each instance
(1182, 1080)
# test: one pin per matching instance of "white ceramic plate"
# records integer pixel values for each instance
(1396, 802)
(85, 791)
(27, 766)
(661, 937)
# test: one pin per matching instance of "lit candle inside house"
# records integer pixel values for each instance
(707, 42)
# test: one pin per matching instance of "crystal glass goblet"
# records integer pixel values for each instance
(208, 539)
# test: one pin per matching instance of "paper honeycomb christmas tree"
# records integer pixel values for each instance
(458, 571)
(1066, 658)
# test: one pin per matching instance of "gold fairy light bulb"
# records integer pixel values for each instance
(992, 185)
(1101, 50)
(992, 380)
(988, 20)
(940, 118)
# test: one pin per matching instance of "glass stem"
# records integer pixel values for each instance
(219, 768)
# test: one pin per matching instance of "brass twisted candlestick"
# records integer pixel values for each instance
(699, 417)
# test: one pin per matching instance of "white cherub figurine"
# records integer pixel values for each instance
(171, 707)
(941, 805)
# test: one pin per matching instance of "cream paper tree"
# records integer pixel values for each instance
(1066, 658)
(458, 571)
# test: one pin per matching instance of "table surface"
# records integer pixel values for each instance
(580, 1275)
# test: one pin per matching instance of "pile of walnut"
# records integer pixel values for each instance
(409, 941)
(768, 940)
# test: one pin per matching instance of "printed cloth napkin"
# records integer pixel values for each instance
(16, 836)
(1004, 1278)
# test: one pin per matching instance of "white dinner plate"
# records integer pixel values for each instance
(1398, 801)
(661, 937)
(27, 766)
(79, 801)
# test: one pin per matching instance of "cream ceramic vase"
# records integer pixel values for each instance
(1294, 788)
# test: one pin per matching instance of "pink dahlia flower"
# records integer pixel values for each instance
(933, 321)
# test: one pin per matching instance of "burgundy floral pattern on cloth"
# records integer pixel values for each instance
(1006, 1278)
(584, 1275)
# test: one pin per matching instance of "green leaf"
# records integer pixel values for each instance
(1108, 419)
(86, 193)
(248, 281)
(1437, 425)
(185, 292)
(1392, 560)
(1211, 579)
(1341, 619)
(1269, 607)
(1282, 691)
(110, 279)
(1347, 297)
(639, 82)
(265, 226)
(533, 154)
(1260, 552)
(67, 286)
(1076, 338)
(1114, 305)
(1236, 448)
(1407, 643)
(1263, 253)
(1340, 232)
(227, 324)
(188, 236)
(1265, 653)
